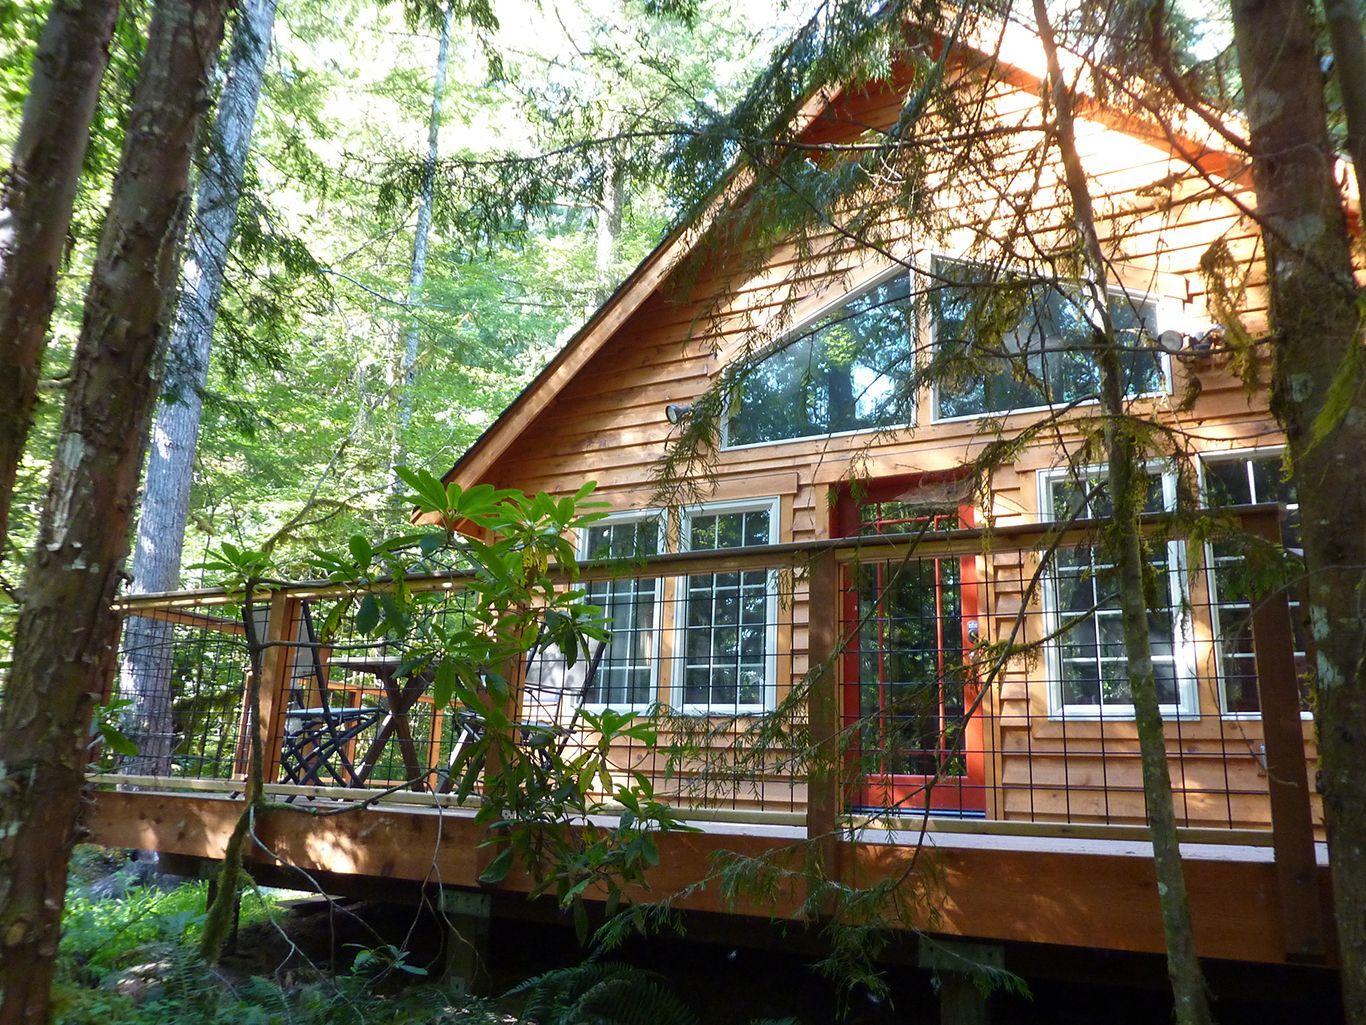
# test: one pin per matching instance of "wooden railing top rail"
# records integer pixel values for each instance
(787, 555)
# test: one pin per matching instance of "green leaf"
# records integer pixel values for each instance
(580, 921)
(498, 868)
(367, 615)
(360, 550)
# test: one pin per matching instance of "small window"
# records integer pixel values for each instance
(1246, 479)
(627, 675)
(1088, 665)
(728, 621)
(847, 371)
(1026, 345)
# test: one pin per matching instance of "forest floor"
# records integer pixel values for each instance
(128, 957)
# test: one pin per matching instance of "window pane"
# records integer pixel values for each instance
(1083, 592)
(727, 617)
(629, 605)
(1236, 480)
(846, 372)
(1026, 344)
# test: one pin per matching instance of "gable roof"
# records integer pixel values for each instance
(1023, 68)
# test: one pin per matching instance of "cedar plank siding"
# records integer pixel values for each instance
(607, 424)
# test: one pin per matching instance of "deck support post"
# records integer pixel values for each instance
(823, 719)
(1292, 824)
(465, 917)
(962, 1001)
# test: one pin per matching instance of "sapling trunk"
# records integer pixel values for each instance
(1125, 545)
(222, 909)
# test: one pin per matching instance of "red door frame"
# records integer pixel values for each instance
(966, 793)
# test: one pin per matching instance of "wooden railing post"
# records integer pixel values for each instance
(823, 711)
(277, 658)
(1292, 823)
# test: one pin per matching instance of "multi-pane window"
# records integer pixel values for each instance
(1242, 480)
(626, 672)
(848, 371)
(1029, 344)
(1088, 662)
(727, 620)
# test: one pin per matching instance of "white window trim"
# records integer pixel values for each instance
(580, 548)
(1228, 455)
(773, 506)
(1183, 641)
(790, 335)
(1165, 360)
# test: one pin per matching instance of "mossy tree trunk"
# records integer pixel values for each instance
(67, 631)
(1319, 398)
(35, 208)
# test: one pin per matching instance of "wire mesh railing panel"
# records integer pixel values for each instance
(181, 688)
(996, 685)
(979, 676)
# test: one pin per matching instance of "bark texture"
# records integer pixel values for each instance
(165, 506)
(1319, 397)
(64, 642)
(1126, 548)
(35, 208)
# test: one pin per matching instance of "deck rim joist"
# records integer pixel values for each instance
(1065, 894)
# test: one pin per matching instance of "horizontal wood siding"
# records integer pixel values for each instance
(1159, 219)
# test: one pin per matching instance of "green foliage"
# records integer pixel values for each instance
(536, 792)
(126, 959)
(605, 992)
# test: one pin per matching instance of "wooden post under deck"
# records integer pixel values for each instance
(823, 711)
(1292, 824)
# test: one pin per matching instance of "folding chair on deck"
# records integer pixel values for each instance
(552, 691)
(317, 735)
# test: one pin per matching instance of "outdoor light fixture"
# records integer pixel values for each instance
(1176, 342)
(674, 412)
(1171, 341)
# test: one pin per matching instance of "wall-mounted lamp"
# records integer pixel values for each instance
(1178, 342)
(674, 412)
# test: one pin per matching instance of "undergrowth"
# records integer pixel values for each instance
(128, 958)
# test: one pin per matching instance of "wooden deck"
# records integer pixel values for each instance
(1039, 838)
(1073, 891)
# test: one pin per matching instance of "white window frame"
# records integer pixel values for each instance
(1164, 358)
(773, 506)
(581, 545)
(789, 336)
(1183, 641)
(1229, 455)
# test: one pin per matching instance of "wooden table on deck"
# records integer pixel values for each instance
(400, 701)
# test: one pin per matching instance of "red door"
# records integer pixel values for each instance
(909, 688)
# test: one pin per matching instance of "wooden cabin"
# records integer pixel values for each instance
(836, 542)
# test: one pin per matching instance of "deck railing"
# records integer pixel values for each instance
(974, 676)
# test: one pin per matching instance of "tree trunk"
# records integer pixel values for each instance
(35, 208)
(611, 205)
(1125, 544)
(64, 642)
(165, 506)
(418, 270)
(1349, 64)
(1319, 398)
